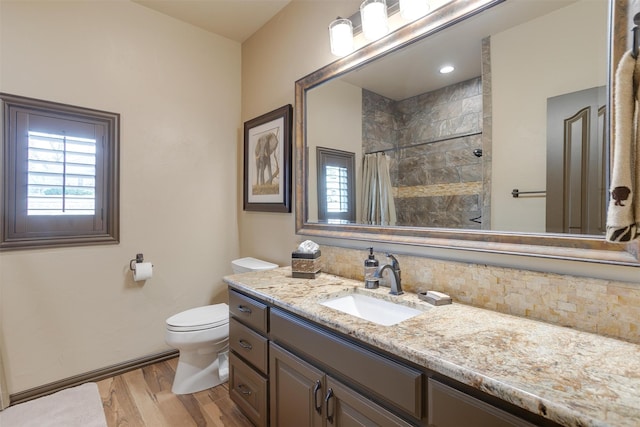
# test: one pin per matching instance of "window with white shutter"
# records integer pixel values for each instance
(60, 174)
(336, 185)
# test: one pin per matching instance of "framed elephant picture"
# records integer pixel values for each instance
(267, 161)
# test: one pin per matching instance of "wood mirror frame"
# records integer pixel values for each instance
(548, 245)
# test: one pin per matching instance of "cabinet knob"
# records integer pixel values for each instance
(244, 389)
(245, 344)
(244, 309)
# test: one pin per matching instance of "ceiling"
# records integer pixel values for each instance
(234, 19)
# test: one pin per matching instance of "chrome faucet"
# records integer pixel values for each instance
(396, 279)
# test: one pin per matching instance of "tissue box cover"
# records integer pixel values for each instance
(305, 265)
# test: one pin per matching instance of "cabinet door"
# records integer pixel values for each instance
(347, 408)
(449, 407)
(296, 390)
(392, 382)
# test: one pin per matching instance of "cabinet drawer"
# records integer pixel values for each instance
(449, 407)
(392, 382)
(248, 389)
(249, 311)
(248, 344)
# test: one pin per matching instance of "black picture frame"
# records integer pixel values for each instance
(267, 161)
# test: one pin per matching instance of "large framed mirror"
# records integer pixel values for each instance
(507, 154)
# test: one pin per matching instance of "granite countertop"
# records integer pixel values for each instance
(573, 378)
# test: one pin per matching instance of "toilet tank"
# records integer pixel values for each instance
(243, 265)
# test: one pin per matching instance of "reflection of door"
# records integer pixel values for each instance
(576, 187)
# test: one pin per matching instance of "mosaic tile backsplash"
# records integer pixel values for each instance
(604, 307)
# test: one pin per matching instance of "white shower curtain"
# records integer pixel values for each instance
(378, 207)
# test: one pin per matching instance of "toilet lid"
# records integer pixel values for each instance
(199, 318)
(253, 264)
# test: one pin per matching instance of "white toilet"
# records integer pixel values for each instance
(202, 336)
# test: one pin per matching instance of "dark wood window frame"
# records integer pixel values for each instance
(19, 230)
(345, 159)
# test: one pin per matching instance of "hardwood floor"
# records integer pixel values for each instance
(143, 398)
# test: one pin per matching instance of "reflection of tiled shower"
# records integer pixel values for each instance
(431, 139)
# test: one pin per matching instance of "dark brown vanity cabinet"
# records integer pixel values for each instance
(297, 390)
(335, 382)
(346, 407)
(303, 395)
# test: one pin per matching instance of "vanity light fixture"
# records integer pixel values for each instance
(446, 69)
(341, 36)
(411, 10)
(374, 19)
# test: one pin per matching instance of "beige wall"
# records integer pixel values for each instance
(290, 46)
(531, 63)
(177, 88)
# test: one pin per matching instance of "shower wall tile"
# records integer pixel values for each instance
(443, 175)
(422, 136)
(462, 157)
(471, 173)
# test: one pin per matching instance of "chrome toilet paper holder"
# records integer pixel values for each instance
(132, 264)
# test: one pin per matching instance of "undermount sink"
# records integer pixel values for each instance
(373, 309)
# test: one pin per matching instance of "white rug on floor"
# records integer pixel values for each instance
(73, 407)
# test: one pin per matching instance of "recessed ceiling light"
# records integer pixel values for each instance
(446, 69)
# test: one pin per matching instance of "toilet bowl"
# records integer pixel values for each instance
(202, 336)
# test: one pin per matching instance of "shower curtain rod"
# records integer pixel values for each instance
(425, 143)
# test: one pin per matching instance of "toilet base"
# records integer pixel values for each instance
(197, 371)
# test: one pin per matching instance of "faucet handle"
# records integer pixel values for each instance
(394, 262)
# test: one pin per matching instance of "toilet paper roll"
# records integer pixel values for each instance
(142, 271)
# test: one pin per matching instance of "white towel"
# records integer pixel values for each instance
(623, 215)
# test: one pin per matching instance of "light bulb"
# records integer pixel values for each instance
(374, 19)
(341, 37)
(446, 69)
